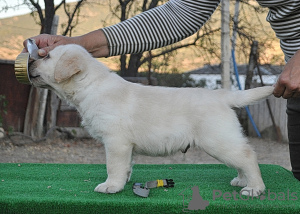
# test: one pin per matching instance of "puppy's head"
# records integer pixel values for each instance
(58, 67)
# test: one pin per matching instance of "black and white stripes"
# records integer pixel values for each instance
(161, 26)
(178, 19)
(284, 17)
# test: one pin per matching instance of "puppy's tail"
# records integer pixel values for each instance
(247, 97)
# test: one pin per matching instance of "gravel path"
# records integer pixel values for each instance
(90, 152)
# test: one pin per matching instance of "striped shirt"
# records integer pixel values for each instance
(178, 19)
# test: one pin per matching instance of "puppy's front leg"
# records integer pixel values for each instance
(118, 164)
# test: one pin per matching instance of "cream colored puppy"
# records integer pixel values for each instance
(130, 118)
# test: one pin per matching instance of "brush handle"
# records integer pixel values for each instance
(32, 49)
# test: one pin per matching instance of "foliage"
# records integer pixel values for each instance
(206, 42)
(3, 108)
(176, 80)
(199, 49)
(44, 17)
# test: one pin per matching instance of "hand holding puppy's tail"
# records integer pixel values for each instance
(247, 97)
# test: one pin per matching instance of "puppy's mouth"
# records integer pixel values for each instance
(35, 78)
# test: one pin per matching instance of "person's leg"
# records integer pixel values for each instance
(293, 112)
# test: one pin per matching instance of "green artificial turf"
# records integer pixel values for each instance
(69, 188)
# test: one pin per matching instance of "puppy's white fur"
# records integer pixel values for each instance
(130, 118)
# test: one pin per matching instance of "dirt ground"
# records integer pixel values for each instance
(88, 151)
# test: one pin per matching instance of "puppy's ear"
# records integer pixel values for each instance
(67, 66)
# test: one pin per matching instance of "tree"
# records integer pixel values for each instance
(35, 119)
(130, 64)
(44, 17)
(206, 42)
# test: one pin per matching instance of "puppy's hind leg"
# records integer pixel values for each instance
(231, 148)
(118, 164)
(249, 169)
(243, 158)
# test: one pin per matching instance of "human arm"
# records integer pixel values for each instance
(285, 21)
(95, 42)
(161, 26)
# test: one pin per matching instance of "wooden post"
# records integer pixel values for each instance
(225, 45)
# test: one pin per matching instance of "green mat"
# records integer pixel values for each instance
(68, 188)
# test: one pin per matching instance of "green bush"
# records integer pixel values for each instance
(176, 80)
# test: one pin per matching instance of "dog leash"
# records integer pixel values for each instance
(144, 190)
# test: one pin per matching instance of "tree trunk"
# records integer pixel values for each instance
(251, 65)
(123, 65)
(225, 45)
(134, 64)
(248, 83)
(149, 68)
(135, 59)
(37, 102)
(235, 22)
(49, 15)
(54, 100)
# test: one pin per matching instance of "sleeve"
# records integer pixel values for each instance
(284, 18)
(160, 26)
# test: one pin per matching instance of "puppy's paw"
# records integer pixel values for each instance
(250, 191)
(106, 188)
(238, 182)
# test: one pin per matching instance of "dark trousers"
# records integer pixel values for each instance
(293, 112)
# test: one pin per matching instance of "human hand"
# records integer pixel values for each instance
(288, 83)
(46, 43)
(94, 42)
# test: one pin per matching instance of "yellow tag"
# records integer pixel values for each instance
(160, 183)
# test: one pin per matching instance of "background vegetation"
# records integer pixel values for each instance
(96, 14)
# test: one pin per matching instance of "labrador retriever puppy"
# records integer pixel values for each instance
(130, 118)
